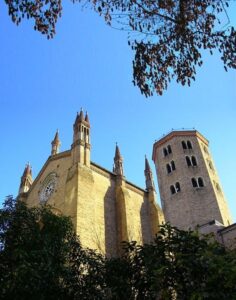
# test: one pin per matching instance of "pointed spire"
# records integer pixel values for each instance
(117, 154)
(147, 166)
(27, 170)
(79, 118)
(87, 118)
(148, 176)
(55, 144)
(76, 119)
(26, 179)
(81, 115)
(118, 162)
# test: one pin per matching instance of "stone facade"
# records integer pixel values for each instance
(105, 208)
(189, 186)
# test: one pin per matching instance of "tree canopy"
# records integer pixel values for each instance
(41, 258)
(167, 36)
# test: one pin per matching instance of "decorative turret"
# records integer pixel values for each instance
(26, 179)
(55, 144)
(81, 139)
(148, 175)
(118, 162)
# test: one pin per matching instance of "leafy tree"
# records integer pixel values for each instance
(41, 258)
(167, 36)
(178, 265)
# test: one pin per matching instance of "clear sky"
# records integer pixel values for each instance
(44, 83)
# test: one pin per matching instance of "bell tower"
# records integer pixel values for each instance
(189, 185)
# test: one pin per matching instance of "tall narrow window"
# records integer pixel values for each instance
(165, 152)
(200, 182)
(189, 144)
(172, 189)
(169, 149)
(194, 161)
(188, 161)
(194, 183)
(177, 187)
(172, 165)
(168, 168)
(184, 145)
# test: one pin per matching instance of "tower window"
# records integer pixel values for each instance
(172, 165)
(191, 161)
(172, 189)
(177, 187)
(194, 161)
(189, 145)
(188, 161)
(168, 168)
(200, 182)
(165, 152)
(197, 183)
(169, 149)
(194, 183)
(184, 145)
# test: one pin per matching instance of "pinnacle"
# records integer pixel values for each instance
(81, 115)
(147, 166)
(87, 118)
(27, 170)
(117, 153)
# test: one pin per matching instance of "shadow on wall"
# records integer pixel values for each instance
(110, 222)
(145, 222)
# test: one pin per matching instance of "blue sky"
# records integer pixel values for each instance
(44, 83)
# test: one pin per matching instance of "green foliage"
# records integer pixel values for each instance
(180, 265)
(41, 258)
(167, 36)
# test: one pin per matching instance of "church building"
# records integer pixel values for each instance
(105, 208)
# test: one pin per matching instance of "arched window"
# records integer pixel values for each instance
(184, 145)
(200, 182)
(194, 182)
(165, 152)
(194, 161)
(169, 149)
(189, 144)
(177, 187)
(188, 161)
(172, 189)
(172, 165)
(168, 168)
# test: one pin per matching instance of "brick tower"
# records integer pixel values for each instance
(189, 186)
